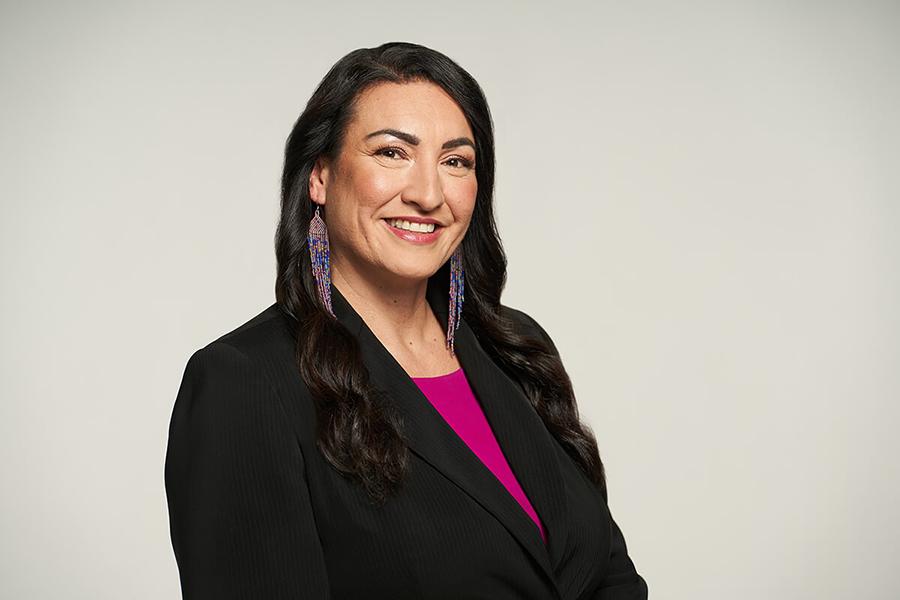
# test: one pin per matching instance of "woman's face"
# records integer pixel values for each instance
(408, 153)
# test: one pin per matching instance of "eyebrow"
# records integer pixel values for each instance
(414, 140)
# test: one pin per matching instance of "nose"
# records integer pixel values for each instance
(424, 187)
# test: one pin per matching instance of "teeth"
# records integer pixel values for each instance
(417, 227)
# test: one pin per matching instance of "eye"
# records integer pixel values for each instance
(389, 152)
(461, 162)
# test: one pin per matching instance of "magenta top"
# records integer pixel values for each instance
(453, 398)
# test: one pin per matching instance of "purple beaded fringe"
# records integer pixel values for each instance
(317, 240)
(457, 294)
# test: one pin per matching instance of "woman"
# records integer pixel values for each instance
(387, 428)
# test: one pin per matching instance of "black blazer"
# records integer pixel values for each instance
(256, 511)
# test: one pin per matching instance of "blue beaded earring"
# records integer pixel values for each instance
(317, 240)
(457, 293)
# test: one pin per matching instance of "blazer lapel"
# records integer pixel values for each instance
(521, 434)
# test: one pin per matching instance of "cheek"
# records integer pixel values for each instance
(374, 187)
(464, 199)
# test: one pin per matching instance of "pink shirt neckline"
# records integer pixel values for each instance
(451, 395)
(437, 376)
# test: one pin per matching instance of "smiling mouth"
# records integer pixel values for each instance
(412, 226)
(422, 237)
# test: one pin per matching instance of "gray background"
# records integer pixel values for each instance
(714, 182)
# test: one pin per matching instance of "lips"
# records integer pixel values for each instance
(414, 237)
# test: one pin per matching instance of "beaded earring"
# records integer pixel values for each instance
(457, 294)
(317, 240)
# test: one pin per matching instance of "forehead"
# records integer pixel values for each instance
(421, 108)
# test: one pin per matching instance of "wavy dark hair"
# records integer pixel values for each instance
(358, 431)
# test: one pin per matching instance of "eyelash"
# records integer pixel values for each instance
(465, 162)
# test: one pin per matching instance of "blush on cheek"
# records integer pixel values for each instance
(470, 191)
(464, 201)
(375, 188)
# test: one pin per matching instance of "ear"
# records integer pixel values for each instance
(318, 181)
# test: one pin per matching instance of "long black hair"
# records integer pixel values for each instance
(358, 430)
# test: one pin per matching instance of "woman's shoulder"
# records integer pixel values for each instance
(261, 333)
(264, 335)
(249, 370)
(253, 349)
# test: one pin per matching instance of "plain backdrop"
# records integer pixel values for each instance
(716, 183)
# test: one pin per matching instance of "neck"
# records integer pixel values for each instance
(397, 311)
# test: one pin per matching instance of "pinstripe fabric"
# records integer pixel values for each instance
(256, 512)
(454, 399)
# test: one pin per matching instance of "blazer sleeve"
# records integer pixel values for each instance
(622, 580)
(240, 514)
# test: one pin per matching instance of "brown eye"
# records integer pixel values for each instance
(461, 162)
(389, 152)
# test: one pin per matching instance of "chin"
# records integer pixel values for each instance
(418, 275)
(413, 272)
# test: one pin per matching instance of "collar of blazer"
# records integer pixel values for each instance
(525, 441)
